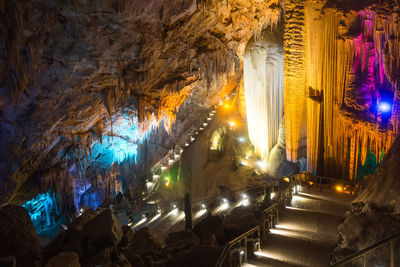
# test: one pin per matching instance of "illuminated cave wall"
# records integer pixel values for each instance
(45, 212)
(70, 68)
(294, 79)
(263, 83)
(349, 85)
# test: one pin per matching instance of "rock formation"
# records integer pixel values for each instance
(88, 84)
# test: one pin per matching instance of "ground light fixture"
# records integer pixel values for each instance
(245, 200)
(225, 204)
(244, 163)
(167, 181)
(175, 210)
(260, 164)
(241, 139)
(339, 188)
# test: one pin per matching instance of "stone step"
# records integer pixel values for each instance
(264, 261)
(319, 226)
(306, 232)
(309, 202)
(295, 251)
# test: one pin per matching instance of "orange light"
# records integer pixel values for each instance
(286, 179)
(232, 123)
(339, 188)
(311, 183)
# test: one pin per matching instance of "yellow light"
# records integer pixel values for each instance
(311, 183)
(339, 188)
(232, 123)
(227, 106)
(286, 179)
(167, 181)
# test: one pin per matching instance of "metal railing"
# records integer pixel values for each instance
(244, 245)
(240, 245)
(306, 177)
(270, 216)
(363, 253)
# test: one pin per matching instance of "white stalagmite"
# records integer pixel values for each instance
(263, 83)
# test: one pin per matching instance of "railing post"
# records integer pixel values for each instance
(245, 249)
(259, 239)
(277, 215)
(392, 253)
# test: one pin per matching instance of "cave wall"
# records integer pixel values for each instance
(79, 77)
(341, 63)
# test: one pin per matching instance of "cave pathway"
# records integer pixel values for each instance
(306, 233)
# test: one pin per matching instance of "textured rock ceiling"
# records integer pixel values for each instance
(67, 67)
(78, 78)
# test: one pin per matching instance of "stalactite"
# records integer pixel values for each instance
(351, 71)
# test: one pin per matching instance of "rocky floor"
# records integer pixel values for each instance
(98, 239)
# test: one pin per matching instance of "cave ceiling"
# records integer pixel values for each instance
(71, 68)
(76, 74)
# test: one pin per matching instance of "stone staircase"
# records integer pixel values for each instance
(306, 232)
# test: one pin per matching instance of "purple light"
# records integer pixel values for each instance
(384, 107)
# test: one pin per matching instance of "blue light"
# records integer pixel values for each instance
(123, 144)
(385, 107)
(45, 212)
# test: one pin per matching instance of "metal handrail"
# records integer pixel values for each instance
(363, 252)
(294, 180)
(260, 228)
(230, 244)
